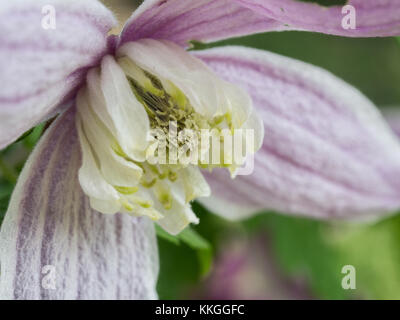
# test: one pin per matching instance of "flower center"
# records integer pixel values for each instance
(167, 107)
(147, 121)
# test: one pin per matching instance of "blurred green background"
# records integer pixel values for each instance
(274, 256)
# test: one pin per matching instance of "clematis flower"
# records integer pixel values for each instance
(82, 212)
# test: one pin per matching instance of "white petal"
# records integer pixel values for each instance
(205, 91)
(115, 169)
(177, 215)
(194, 183)
(255, 123)
(129, 116)
(177, 218)
(90, 177)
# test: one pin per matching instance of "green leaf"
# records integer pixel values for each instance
(180, 270)
(374, 250)
(161, 233)
(3, 207)
(182, 266)
(6, 189)
(317, 251)
(34, 135)
(303, 251)
(8, 172)
(206, 259)
(198, 45)
(194, 241)
(31, 137)
(201, 245)
(188, 236)
(24, 135)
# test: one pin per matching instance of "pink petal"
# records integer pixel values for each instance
(181, 21)
(49, 229)
(374, 18)
(203, 20)
(41, 67)
(327, 152)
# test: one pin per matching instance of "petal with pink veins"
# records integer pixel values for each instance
(373, 18)
(41, 67)
(181, 21)
(53, 246)
(327, 151)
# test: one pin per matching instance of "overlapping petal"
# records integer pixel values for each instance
(373, 18)
(53, 246)
(41, 66)
(327, 152)
(181, 21)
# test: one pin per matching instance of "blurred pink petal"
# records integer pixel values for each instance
(248, 269)
(374, 18)
(327, 151)
(49, 229)
(41, 67)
